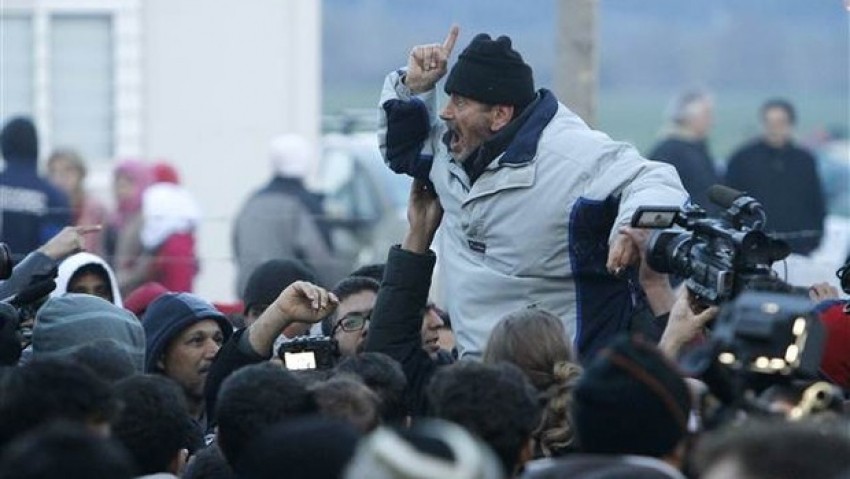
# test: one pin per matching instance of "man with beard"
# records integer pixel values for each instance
(183, 334)
(534, 199)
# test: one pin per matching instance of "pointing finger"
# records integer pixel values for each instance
(84, 230)
(451, 39)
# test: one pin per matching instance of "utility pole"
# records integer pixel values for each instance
(576, 62)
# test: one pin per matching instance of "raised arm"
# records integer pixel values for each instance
(408, 130)
(397, 317)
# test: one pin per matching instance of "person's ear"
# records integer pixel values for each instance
(502, 115)
(160, 363)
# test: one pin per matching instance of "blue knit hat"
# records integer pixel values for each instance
(67, 323)
(169, 315)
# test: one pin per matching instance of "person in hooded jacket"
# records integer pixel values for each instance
(31, 209)
(86, 273)
(170, 216)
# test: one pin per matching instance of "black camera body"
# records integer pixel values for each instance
(309, 352)
(718, 257)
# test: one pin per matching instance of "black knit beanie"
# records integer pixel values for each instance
(492, 72)
(631, 400)
(269, 279)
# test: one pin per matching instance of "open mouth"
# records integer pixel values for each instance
(454, 144)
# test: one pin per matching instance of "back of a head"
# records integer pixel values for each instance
(312, 447)
(776, 450)
(291, 156)
(19, 141)
(66, 323)
(51, 389)
(496, 402)
(209, 463)
(252, 399)
(430, 448)
(67, 451)
(535, 341)
(347, 399)
(107, 359)
(383, 375)
(631, 385)
(269, 279)
(154, 423)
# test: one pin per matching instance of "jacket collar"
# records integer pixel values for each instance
(523, 148)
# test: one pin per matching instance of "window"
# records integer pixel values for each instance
(16, 66)
(75, 67)
(81, 83)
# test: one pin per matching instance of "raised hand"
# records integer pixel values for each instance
(424, 213)
(427, 64)
(68, 241)
(303, 302)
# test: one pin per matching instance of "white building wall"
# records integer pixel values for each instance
(221, 79)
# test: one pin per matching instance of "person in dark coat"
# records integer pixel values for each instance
(784, 177)
(686, 146)
(31, 209)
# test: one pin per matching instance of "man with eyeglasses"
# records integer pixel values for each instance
(350, 324)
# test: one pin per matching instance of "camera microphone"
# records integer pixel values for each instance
(732, 199)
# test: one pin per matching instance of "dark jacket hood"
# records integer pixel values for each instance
(169, 315)
(18, 141)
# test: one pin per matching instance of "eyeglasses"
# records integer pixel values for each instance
(352, 322)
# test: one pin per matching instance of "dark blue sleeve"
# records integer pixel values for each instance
(408, 126)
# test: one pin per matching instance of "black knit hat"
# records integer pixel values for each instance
(270, 278)
(631, 400)
(492, 72)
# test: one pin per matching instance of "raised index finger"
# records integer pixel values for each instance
(451, 39)
(88, 229)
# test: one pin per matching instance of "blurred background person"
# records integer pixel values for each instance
(280, 219)
(690, 117)
(784, 177)
(124, 243)
(67, 171)
(32, 210)
(170, 216)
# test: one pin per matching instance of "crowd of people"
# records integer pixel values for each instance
(557, 351)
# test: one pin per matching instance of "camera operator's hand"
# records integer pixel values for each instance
(684, 324)
(656, 285)
(424, 214)
(69, 241)
(303, 302)
(624, 252)
(427, 64)
(822, 291)
(300, 302)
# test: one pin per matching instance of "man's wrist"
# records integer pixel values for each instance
(417, 241)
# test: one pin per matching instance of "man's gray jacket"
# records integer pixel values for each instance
(534, 229)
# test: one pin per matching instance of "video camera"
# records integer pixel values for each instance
(718, 257)
(766, 333)
(309, 352)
